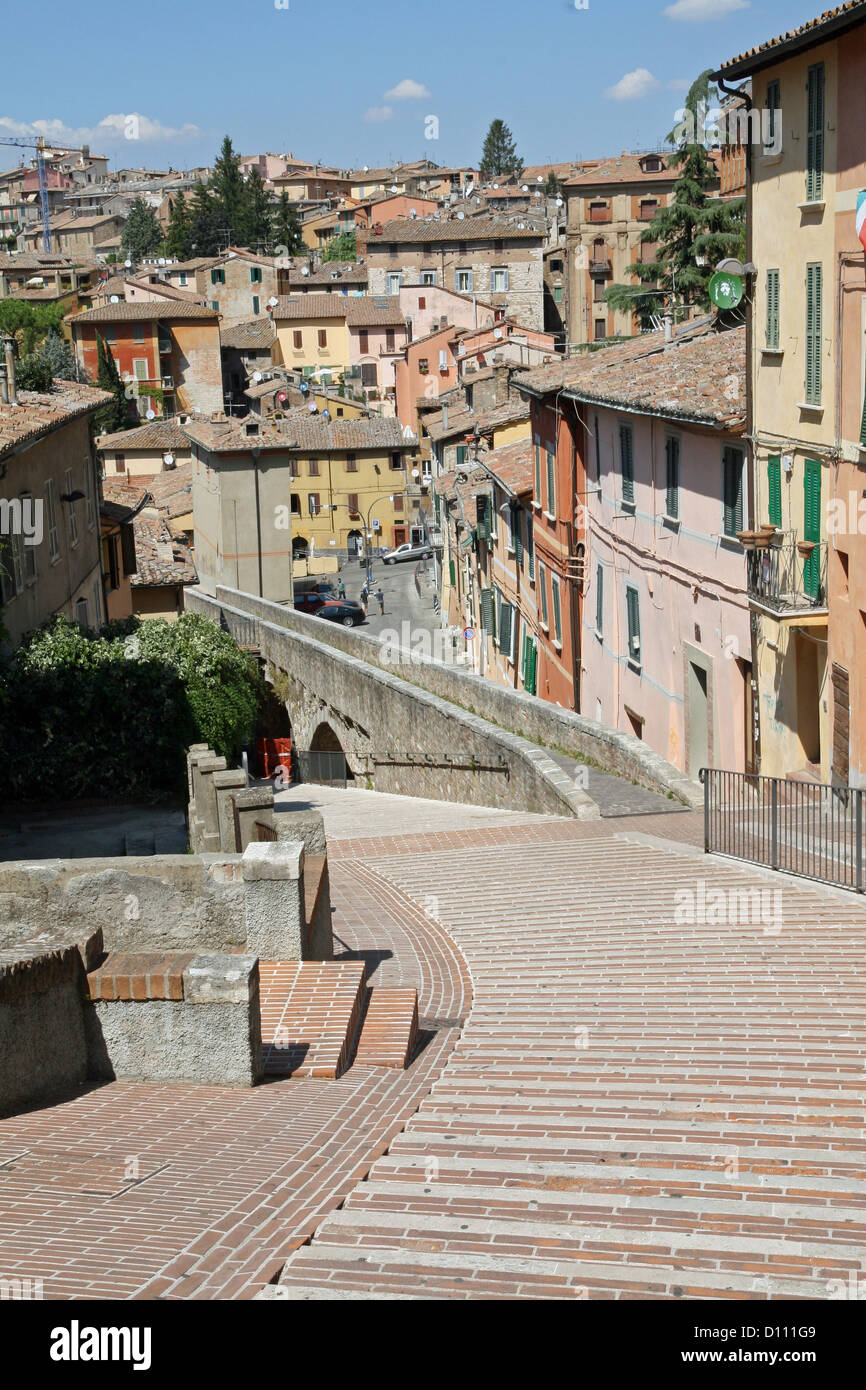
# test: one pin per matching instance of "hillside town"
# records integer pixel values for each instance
(357, 520)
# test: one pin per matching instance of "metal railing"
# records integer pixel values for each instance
(811, 829)
(327, 768)
(788, 576)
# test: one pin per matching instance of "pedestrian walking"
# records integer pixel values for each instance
(365, 595)
(381, 597)
(341, 589)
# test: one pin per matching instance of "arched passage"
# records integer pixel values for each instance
(327, 759)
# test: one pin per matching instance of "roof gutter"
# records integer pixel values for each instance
(789, 48)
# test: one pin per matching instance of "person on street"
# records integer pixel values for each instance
(381, 598)
(341, 589)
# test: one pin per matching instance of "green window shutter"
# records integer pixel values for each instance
(626, 456)
(551, 482)
(451, 575)
(814, 313)
(774, 490)
(488, 614)
(528, 664)
(530, 545)
(506, 616)
(732, 488)
(482, 515)
(538, 473)
(812, 525)
(557, 612)
(672, 477)
(772, 328)
(461, 455)
(517, 533)
(599, 599)
(815, 133)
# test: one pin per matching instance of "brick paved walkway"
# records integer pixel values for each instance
(637, 1107)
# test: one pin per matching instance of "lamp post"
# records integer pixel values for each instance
(375, 503)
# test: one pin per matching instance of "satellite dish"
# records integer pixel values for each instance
(559, 202)
(497, 332)
(524, 188)
(539, 179)
(232, 255)
(412, 213)
(273, 302)
(257, 376)
(115, 299)
(151, 415)
(312, 407)
(496, 185)
(393, 188)
(305, 270)
(128, 264)
(304, 388)
(460, 216)
(168, 460)
(161, 260)
(282, 397)
(326, 414)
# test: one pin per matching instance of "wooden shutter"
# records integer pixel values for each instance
(599, 599)
(551, 482)
(672, 477)
(815, 133)
(506, 616)
(451, 574)
(532, 662)
(461, 455)
(774, 490)
(633, 611)
(530, 547)
(772, 327)
(863, 422)
(626, 453)
(812, 525)
(841, 725)
(488, 613)
(127, 549)
(732, 487)
(537, 497)
(814, 296)
(482, 515)
(517, 533)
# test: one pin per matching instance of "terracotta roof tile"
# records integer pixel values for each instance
(150, 309)
(157, 434)
(39, 412)
(300, 429)
(795, 40)
(482, 228)
(250, 335)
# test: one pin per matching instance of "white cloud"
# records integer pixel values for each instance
(635, 84)
(376, 114)
(700, 11)
(407, 90)
(118, 126)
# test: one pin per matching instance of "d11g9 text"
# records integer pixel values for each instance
(725, 1334)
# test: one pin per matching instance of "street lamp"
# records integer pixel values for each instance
(332, 506)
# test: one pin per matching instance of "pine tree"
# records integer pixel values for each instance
(113, 415)
(287, 226)
(342, 247)
(203, 223)
(553, 187)
(255, 224)
(142, 234)
(227, 188)
(178, 233)
(694, 227)
(499, 155)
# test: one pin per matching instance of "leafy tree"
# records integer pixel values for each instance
(204, 237)
(553, 187)
(287, 226)
(142, 234)
(691, 234)
(229, 193)
(177, 237)
(255, 223)
(59, 355)
(499, 155)
(29, 323)
(342, 247)
(113, 415)
(34, 373)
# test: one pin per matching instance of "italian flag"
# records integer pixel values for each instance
(860, 220)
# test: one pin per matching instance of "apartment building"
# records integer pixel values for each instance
(167, 351)
(138, 455)
(498, 259)
(359, 337)
(333, 277)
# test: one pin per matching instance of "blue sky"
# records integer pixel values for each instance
(352, 84)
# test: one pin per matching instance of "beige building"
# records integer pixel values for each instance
(49, 508)
(138, 455)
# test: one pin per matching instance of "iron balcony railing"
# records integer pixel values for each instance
(811, 829)
(787, 576)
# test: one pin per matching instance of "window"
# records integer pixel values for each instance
(517, 532)
(428, 277)
(537, 497)
(313, 468)
(294, 468)
(140, 368)
(648, 208)
(88, 493)
(557, 294)
(351, 463)
(396, 462)
(296, 504)
(555, 267)
(774, 490)
(600, 331)
(599, 600)
(772, 327)
(423, 365)
(393, 283)
(120, 463)
(598, 212)
(632, 605)
(255, 275)
(774, 105)
(255, 304)
(398, 501)
(82, 616)
(626, 462)
(460, 455)
(217, 277)
(542, 592)
(323, 337)
(389, 340)
(181, 279)
(215, 305)
(672, 477)
(297, 340)
(315, 504)
(463, 281)
(422, 301)
(598, 292)
(732, 490)
(51, 508)
(551, 482)
(73, 519)
(528, 662)
(352, 500)
(814, 289)
(369, 374)
(488, 612)
(530, 547)
(498, 281)
(138, 333)
(557, 612)
(364, 341)
(815, 134)
(597, 450)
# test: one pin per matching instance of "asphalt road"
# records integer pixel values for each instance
(402, 600)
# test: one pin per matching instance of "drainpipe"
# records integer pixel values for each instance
(10, 394)
(255, 453)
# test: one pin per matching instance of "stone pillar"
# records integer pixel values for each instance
(274, 900)
(191, 752)
(227, 784)
(254, 804)
(198, 750)
(206, 803)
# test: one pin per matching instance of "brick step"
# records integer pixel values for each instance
(390, 1028)
(310, 1016)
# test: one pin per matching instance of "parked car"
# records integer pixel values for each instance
(313, 584)
(409, 550)
(311, 602)
(342, 610)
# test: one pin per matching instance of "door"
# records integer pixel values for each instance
(750, 715)
(808, 687)
(839, 770)
(699, 739)
(812, 525)
(399, 536)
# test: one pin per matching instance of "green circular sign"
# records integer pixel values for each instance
(725, 290)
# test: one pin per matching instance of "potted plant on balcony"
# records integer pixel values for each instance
(747, 539)
(805, 548)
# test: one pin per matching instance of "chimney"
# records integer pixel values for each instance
(10, 395)
(668, 322)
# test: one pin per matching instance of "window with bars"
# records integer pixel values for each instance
(815, 133)
(672, 477)
(632, 606)
(774, 490)
(732, 491)
(772, 327)
(814, 314)
(626, 462)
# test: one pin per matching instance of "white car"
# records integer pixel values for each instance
(409, 550)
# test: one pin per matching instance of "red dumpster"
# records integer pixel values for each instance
(273, 753)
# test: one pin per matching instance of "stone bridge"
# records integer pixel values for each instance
(424, 728)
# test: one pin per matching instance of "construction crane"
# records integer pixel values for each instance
(39, 146)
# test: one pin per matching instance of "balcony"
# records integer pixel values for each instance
(600, 268)
(786, 578)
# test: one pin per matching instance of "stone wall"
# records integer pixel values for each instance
(508, 711)
(43, 1046)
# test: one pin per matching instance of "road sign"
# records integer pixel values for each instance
(469, 633)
